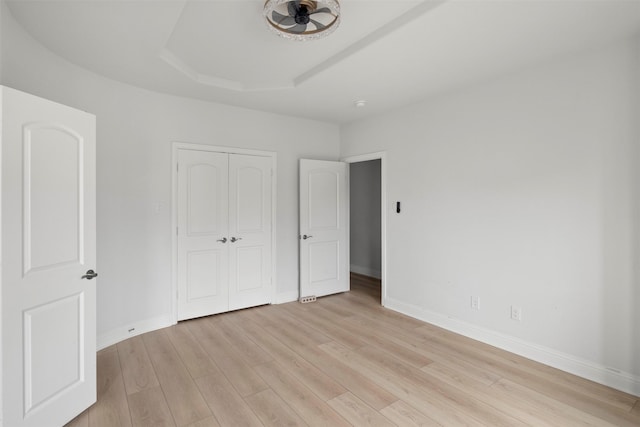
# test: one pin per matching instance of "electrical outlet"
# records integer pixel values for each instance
(475, 302)
(516, 313)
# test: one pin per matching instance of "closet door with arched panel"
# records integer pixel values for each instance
(224, 231)
(249, 231)
(203, 254)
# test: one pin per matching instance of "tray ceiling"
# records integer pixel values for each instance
(390, 53)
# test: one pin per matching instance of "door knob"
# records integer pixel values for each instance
(235, 239)
(223, 240)
(90, 275)
(305, 237)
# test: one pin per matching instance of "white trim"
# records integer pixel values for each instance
(175, 146)
(173, 231)
(274, 221)
(347, 178)
(210, 80)
(382, 156)
(623, 381)
(114, 336)
(3, 90)
(366, 271)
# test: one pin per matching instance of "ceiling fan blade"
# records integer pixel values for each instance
(322, 10)
(319, 25)
(293, 7)
(281, 19)
(298, 29)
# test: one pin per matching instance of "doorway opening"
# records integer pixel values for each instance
(367, 224)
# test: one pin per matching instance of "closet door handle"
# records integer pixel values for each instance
(90, 275)
(235, 239)
(223, 240)
(305, 237)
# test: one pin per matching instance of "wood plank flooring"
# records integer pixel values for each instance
(343, 360)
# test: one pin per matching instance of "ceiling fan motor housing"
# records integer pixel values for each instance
(310, 5)
(302, 19)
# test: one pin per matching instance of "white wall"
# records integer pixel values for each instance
(364, 229)
(522, 191)
(135, 131)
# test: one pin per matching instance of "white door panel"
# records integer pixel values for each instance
(324, 199)
(324, 262)
(323, 228)
(202, 233)
(45, 185)
(204, 269)
(249, 231)
(48, 244)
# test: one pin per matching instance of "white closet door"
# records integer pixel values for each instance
(48, 246)
(203, 256)
(249, 231)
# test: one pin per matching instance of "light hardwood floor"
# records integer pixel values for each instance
(340, 361)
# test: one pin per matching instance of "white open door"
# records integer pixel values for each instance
(324, 248)
(48, 248)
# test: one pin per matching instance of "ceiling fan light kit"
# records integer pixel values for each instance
(302, 20)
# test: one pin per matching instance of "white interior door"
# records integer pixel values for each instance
(249, 231)
(203, 256)
(48, 244)
(324, 251)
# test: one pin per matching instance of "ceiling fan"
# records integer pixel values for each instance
(302, 19)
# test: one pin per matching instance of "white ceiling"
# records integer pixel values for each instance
(390, 53)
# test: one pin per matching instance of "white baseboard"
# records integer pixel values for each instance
(366, 271)
(610, 377)
(285, 297)
(114, 336)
